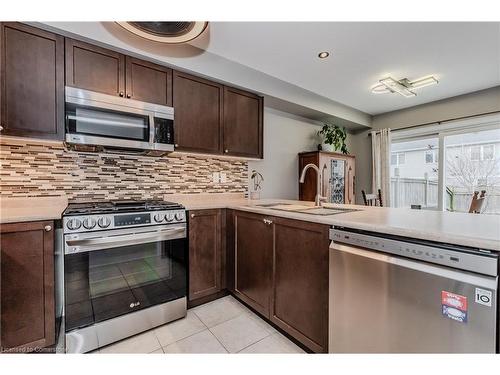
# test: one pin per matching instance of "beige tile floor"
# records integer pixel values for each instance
(221, 326)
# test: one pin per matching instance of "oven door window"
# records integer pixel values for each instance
(104, 284)
(107, 123)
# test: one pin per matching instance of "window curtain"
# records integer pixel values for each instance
(381, 164)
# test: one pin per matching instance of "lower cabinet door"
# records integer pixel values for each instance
(253, 247)
(27, 286)
(300, 282)
(205, 253)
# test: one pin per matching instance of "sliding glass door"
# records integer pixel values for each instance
(415, 172)
(472, 164)
(442, 166)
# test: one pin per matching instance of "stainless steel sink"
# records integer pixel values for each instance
(310, 210)
(325, 211)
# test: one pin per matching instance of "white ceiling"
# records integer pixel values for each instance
(465, 57)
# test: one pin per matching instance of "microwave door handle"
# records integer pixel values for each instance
(152, 129)
(91, 244)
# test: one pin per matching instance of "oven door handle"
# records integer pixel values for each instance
(81, 245)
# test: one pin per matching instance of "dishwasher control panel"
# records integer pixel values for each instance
(485, 263)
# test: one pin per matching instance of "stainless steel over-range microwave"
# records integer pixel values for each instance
(101, 122)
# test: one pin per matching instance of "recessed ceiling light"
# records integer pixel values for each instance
(323, 55)
(403, 87)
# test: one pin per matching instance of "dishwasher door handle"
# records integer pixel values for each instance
(489, 282)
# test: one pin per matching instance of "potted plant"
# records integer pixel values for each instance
(333, 138)
(257, 179)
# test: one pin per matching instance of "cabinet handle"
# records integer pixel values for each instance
(1, 128)
(192, 216)
(129, 96)
(267, 221)
(226, 151)
(47, 228)
(176, 145)
(121, 94)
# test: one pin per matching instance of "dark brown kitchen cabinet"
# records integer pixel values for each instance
(243, 123)
(27, 286)
(253, 251)
(148, 82)
(205, 253)
(198, 105)
(94, 68)
(98, 69)
(32, 82)
(300, 281)
(281, 271)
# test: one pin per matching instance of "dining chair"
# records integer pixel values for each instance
(372, 199)
(477, 202)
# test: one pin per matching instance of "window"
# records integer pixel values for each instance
(431, 156)
(413, 179)
(394, 159)
(443, 165)
(398, 158)
(488, 152)
(475, 153)
(471, 165)
(484, 152)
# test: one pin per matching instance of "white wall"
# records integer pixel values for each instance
(285, 136)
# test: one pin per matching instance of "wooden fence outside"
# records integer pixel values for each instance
(419, 191)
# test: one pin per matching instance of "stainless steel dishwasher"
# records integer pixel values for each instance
(398, 295)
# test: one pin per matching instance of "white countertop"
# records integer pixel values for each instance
(15, 210)
(481, 231)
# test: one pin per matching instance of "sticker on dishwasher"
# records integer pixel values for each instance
(454, 306)
(454, 300)
(455, 314)
(483, 297)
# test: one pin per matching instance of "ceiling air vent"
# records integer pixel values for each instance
(166, 32)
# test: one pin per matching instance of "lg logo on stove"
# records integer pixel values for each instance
(483, 297)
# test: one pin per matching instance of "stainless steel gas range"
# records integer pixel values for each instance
(125, 270)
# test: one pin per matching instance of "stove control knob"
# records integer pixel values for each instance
(89, 223)
(169, 217)
(104, 222)
(179, 216)
(158, 218)
(73, 224)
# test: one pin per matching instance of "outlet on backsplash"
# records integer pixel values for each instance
(215, 177)
(219, 177)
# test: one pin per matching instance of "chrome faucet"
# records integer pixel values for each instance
(319, 185)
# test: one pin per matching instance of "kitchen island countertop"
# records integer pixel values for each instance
(478, 231)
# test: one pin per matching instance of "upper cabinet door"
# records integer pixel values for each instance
(94, 68)
(198, 114)
(148, 82)
(242, 123)
(32, 82)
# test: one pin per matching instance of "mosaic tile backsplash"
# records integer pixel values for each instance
(31, 168)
